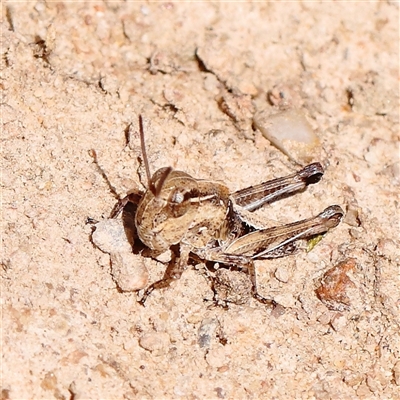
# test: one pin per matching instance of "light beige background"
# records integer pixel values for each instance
(75, 75)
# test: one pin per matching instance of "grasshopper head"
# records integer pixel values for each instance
(179, 208)
(167, 209)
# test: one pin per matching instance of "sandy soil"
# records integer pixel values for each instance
(75, 76)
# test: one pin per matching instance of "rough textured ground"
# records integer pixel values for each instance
(75, 75)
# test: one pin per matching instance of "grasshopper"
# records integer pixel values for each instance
(203, 220)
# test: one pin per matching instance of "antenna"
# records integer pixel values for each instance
(155, 190)
(144, 153)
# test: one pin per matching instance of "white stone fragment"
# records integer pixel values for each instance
(291, 133)
(110, 236)
(128, 270)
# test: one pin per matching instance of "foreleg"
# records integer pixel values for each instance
(174, 271)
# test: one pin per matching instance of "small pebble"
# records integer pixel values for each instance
(336, 286)
(396, 373)
(352, 216)
(292, 134)
(282, 274)
(155, 342)
(109, 84)
(216, 358)
(207, 331)
(338, 322)
(110, 236)
(128, 270)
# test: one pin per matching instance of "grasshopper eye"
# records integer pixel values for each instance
(177, 197)
(178, 203)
